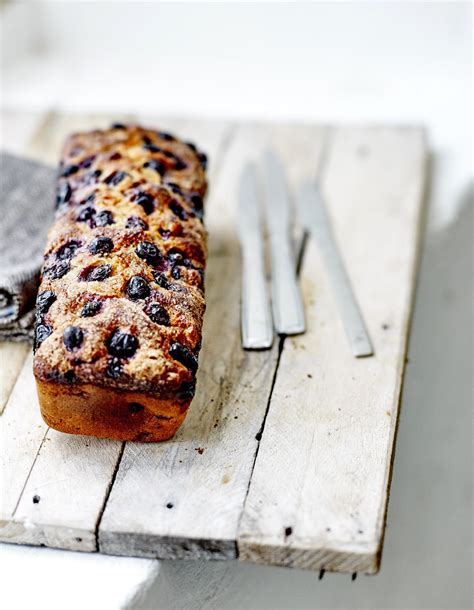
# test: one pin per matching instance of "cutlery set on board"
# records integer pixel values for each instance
(287, 303)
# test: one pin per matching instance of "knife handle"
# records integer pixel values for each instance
(257, 328)
(287, 304)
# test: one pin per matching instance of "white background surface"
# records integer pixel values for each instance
(328, 62)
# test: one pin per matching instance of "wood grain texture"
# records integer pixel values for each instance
(53, 485)
(198, 481)
(21, 433)
(319, 490)
(12, 357)
(319, 477)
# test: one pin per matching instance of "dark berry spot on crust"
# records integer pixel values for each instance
(176, 256)
(114, 368)
(147, 251)
(96, 273)
(115, 156)
(73, 337)
(135, 407)
(44, 301)
(174, 187)
(186, 390)
(175, 273)
(86, 214)
(68, 250)
(69, 376)
(164, 233)
(152, 147)
(57, 270)
(122, 345)
(104, 218)
(166, 136)
(157, 314)
(118, 126)
(87, 162)
(156, 166)
(147, 202)
(179, 164)
(137, 288)
(42, 332)
(64, 194)
(115, 178)
(69, 170)
(92, 176)
(53, 375)
(191, 146)
(177, 209)
(161, 280)
(134, 222)
(182, 354)
(203, 160)
(91, 308)
(101, 245)
(197, 203)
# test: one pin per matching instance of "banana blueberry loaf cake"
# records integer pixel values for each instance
(121, 302)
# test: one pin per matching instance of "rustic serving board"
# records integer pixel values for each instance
(285, 456)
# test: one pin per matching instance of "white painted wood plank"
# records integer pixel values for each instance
(12, 357)
(339, 459)
(197, 482)
(55, 484)
(21, 432)
(62, 499)
(319, 489)
(65, 491)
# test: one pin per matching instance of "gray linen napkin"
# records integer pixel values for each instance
(26, 211)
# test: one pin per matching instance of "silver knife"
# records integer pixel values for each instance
(316, 220)
(287, 304)
(256, 319)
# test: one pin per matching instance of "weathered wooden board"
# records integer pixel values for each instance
(315, 486)
(196, 484)
(318, 494)
(57, 498)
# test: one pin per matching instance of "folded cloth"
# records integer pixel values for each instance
(26, 210)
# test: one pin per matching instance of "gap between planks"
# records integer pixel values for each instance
(220, 159)
(199, 480)
(300, 243)
(60, 462)
(144, 528)
(328, 511)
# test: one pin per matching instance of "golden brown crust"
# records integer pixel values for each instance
(107, 413)
(121, 300)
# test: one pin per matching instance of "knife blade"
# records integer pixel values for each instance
(287, 304)
(256, 318)
(317, 222)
